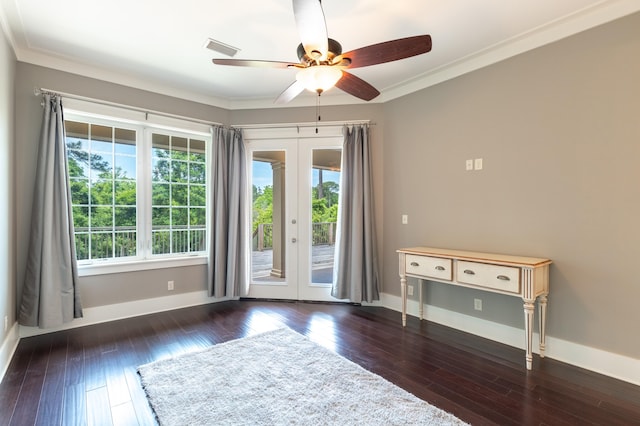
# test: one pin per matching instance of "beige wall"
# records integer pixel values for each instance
(559, 131)
(7, 265)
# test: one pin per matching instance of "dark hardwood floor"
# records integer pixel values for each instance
(88, 375)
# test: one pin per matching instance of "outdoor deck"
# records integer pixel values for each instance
(321, 264)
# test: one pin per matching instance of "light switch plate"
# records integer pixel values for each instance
(478, 164)
(469, 165)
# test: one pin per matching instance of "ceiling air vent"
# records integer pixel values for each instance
(220, 47)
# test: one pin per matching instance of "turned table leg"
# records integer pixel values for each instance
(542, 306)
(403, 291)
(528, 320)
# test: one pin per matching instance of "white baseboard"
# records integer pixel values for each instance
(8, 348)
(610, 364)
(136, 308)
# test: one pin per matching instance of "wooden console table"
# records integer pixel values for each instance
(526, 277)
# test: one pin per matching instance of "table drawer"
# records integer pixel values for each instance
(429, 267)
(504, 278)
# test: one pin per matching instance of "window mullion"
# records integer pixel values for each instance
(144, 193)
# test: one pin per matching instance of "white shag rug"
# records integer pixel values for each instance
(278, 378)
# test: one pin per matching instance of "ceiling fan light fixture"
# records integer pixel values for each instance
(319, 78)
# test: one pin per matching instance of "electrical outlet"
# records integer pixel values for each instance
(169, 285)
(477, 304)
(410, 290)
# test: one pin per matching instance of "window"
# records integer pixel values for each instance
(179, 194)
(138, 193)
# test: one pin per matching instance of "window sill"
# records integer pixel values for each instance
(139, 265)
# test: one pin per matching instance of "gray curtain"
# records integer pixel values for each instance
(356, 264)
(227, 275)
(50, 292)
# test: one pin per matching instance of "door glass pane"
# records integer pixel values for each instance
(324, 212)
(268, 218)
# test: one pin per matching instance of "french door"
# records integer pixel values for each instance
(294, 186)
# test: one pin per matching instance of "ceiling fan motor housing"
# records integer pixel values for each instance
(335, 49)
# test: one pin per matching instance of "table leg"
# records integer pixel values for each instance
(421, 308)
(542, 306)
(528, 319)
(403, 290)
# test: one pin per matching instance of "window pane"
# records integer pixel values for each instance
(125, 218)
(79, 191)
(101, 245)
(179, 147)
(179, 216)
(125, 141)
(197, 196)
(82, 244)
(160, 171)
(180, 195)
(125, 192)
(76, 130)
(101, 217)
(125, 243)
(197, 173)
(161, 216)
(180, 241)
(80, 218)
(324, 204)
(160, 196)
(197, 217)
(101, 192)
(197, 240)
(160, 146)
(125, 166)
(101, 165)
(77, 167)
(101, 138)
(179, 171)
(197, 150)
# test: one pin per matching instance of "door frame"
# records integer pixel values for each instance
(293, 138)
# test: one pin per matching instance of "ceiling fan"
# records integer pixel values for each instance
(323, 65)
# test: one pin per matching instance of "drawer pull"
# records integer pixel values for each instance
(439, 268)
(469, 272)
(415, 264)
(503, 278)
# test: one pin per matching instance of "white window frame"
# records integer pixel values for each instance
(144, 124)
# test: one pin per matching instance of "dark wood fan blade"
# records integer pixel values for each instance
(254, 63)
(356, 86)
(388, 51)
(312, 28)
(289, 93)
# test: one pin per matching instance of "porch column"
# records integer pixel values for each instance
(279, 225)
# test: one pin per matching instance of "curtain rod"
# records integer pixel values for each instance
(299, 125)
(42, 91)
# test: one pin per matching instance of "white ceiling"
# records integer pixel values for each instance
(158, 45)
